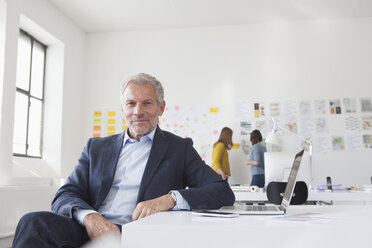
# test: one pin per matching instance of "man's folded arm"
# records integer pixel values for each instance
(74, 193)
(207, 190)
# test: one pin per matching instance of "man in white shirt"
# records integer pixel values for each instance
(125, 177)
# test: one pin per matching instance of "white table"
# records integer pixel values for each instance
(364, 197)
(306, 226)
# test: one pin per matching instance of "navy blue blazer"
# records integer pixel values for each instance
(173, 164)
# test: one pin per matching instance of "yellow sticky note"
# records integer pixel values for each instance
(96, 135)
(97, 113)
(97, 121)
(110, 133)
(96, 128)
(111, 113)
(214, 110)
(124, 127)
(111, 121)
(256, 114)
(235, 146)
(111, 128)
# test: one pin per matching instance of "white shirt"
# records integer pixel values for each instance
(121, 200)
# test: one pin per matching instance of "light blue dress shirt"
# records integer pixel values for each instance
(121, 200)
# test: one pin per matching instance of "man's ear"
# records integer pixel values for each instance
(162, 108)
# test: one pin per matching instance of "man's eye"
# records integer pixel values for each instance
(130, 103)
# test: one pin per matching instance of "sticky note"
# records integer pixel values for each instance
(111, 113)
(110, 133)
(111, 121)
(123, 121)
(124, 127)
(111, 128)
(97, 113)
(96, 128)
(97, 121)
(214, 110)
(96, 135)
(235, 146)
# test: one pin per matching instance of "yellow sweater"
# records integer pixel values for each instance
(220, 159)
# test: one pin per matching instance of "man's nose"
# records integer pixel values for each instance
(138, 110)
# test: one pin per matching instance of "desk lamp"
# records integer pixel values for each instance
(272, 138)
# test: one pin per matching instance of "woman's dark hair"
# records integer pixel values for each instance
(225, 138)
(256, 136)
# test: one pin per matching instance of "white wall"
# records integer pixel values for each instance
(64, 91)
(63, 111)
(217, 65)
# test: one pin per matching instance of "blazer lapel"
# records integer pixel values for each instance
(110, 161)
(158, 149)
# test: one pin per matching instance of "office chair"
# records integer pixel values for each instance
(275, 192)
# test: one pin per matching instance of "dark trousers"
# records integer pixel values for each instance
(46, 229)
(258, 180)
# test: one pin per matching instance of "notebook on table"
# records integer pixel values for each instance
(271, 209)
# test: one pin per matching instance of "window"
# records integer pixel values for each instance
(27, 136)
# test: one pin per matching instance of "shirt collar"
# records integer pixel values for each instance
(149, 136)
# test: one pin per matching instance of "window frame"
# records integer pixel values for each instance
(29, 96)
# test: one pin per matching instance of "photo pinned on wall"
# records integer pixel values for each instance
(275, 109)
(245, 128)
(246, 146)
(307, 126)
(354, 142)
(349, 105)
(290, 109)
(305, 108)
(366, 104)
(367, 141)
(292, 126)
(322, 144)
(338, 143)
(259, 110)
(335, 106)
(242, 110)
(352, 124)
(320, 107)
(262, 126)
(367, 123)
(321, 125)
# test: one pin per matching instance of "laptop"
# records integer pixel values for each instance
(270, 209)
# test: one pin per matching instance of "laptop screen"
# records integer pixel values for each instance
(292, 180)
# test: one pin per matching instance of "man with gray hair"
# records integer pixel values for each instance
(126, 177)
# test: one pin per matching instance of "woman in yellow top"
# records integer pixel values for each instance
(220, 157)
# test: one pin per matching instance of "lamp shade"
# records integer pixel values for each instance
(272, 138)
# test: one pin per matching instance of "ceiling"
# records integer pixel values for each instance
(123, 15)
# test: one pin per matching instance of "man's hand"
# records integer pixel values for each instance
(146, 208)
(96, 225)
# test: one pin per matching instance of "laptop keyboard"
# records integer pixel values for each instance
(262, 208)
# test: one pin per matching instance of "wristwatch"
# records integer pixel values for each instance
(173, 195)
